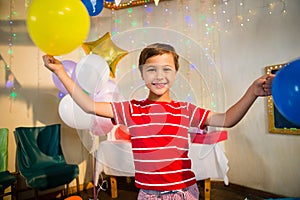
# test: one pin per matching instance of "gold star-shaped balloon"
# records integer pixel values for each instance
(106, 48)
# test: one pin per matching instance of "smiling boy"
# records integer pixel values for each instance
(158, 125)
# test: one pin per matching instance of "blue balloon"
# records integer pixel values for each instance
(286, 91)
(94, 7)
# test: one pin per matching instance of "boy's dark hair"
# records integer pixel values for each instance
(157, 49)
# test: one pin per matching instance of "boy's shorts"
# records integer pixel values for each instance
(189, 193)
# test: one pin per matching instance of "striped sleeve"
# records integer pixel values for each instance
(120, 110)
(198, 116)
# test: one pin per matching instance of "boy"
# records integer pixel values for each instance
(159, 125)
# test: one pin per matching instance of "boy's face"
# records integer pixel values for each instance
(159, 74)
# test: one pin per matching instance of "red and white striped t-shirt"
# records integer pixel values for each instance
(159, 137)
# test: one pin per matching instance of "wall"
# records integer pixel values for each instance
(230, 58)
(259, 159)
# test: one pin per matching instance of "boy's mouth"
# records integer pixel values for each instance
(159, 85)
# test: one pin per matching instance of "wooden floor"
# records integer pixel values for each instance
(127, 191)
(218, 192)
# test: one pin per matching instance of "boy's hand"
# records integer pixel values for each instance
(52, 64)
(263, 85)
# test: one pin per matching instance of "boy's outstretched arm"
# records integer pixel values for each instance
(82, 99)
(260, 87)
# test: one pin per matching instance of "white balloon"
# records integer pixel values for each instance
(92, 71)
(73, 115)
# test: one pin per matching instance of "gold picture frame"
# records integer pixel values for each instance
(277, 122)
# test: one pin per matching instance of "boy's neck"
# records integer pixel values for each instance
(163, 98)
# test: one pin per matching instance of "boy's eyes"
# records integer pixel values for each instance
(151, 69)
(167, 68)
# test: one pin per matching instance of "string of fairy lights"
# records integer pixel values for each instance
(211, 17)
(245, 14)
(129, 4)
(11, 82)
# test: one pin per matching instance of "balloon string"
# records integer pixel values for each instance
(94, 186)
(104, 184)
(101, 187)
(93, 168)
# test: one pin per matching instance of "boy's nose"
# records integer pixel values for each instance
(159, 74)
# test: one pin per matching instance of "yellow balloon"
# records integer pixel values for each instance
(58, 27)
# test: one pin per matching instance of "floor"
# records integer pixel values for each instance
(216, 194)
(127, 191)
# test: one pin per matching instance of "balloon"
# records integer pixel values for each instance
(106, 48)
(73, 198)
(101, 126)
(121, 133)
(108, 93)
(69, 67)
(58, 26)
(92, 72)
(286, 91)
(94, 7)
(73, 115)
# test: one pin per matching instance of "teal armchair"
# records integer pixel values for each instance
(40, 159)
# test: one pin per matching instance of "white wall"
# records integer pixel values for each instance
(257, 158)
